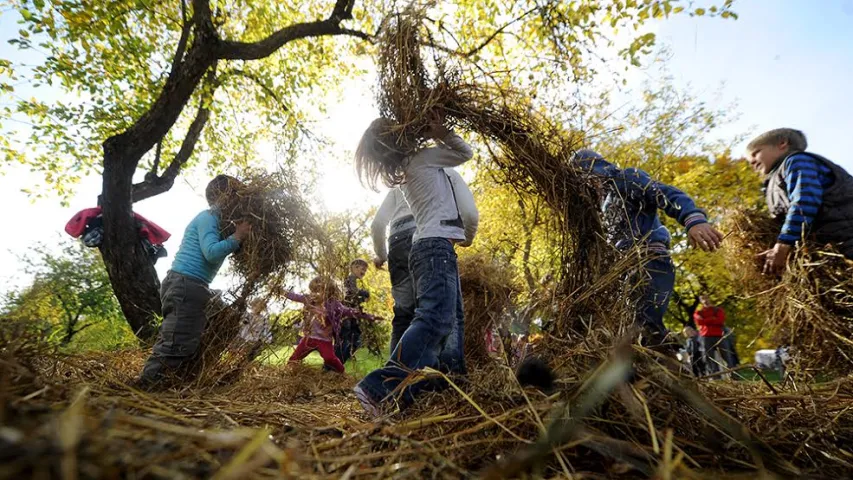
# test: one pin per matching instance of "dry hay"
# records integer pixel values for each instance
(811, 307)
(533, 153)
(488, 290)
(76, 416)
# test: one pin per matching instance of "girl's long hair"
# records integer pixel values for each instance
(380, 155)
(326, 286)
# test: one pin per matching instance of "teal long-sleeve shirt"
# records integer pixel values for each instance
(203, 249)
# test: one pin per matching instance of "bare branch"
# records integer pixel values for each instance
(233, 50)
(157, 185)
(186, 27)
(485, 42)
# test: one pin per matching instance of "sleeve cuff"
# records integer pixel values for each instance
(234, 243)
(786, 239)
(694, 219)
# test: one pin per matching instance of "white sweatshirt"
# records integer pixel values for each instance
(430, 192)
(395, 209)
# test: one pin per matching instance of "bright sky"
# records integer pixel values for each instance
(786, 62)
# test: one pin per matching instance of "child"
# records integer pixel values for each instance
(255, 330)
(440, 224)
(184, 292)
(350, 336)
(711, 321)
(396, 211)
(694, 350)
(630, 204)
(323, 314)
(806, 194)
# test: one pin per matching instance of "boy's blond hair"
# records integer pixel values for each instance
(795, 138)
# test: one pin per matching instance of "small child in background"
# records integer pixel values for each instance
(354, 297)
(256, 324)
(323, 315)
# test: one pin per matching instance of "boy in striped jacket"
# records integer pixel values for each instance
(806, 193)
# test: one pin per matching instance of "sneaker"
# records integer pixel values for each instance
(367, 402)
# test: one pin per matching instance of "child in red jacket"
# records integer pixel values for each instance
(711, 320)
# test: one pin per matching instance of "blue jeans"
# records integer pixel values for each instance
(660, 274)
(451, 358)
(402, 284)
(436, 281)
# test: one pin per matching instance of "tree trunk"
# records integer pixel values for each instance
(131, 273)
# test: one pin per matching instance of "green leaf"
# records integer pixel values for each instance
(700, 11)
(26, 14)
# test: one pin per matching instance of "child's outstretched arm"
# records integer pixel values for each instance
(290, 295)
(355, 313)
(679, 206)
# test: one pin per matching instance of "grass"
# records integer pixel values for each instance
(362, 363)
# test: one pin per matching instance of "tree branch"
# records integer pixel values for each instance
(485, 42)
(233, 50)
(342, 10)
(159, 184)
(186, 27)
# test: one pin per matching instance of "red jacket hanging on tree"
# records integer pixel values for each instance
(710, 321)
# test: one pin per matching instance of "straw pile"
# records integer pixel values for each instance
(280, 218)
(811, 307)
(75, 417)
(533, 153)
(488, 289)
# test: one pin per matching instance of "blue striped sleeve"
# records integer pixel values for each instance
(806, 177)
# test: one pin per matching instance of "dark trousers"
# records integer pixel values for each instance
(660, 277)
(349, 339)
(183, 299)
(436, 277)
(402, 284)
(697, 362)
(711, 345)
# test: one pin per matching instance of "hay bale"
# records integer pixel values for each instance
(488, 290)
(811, 307)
